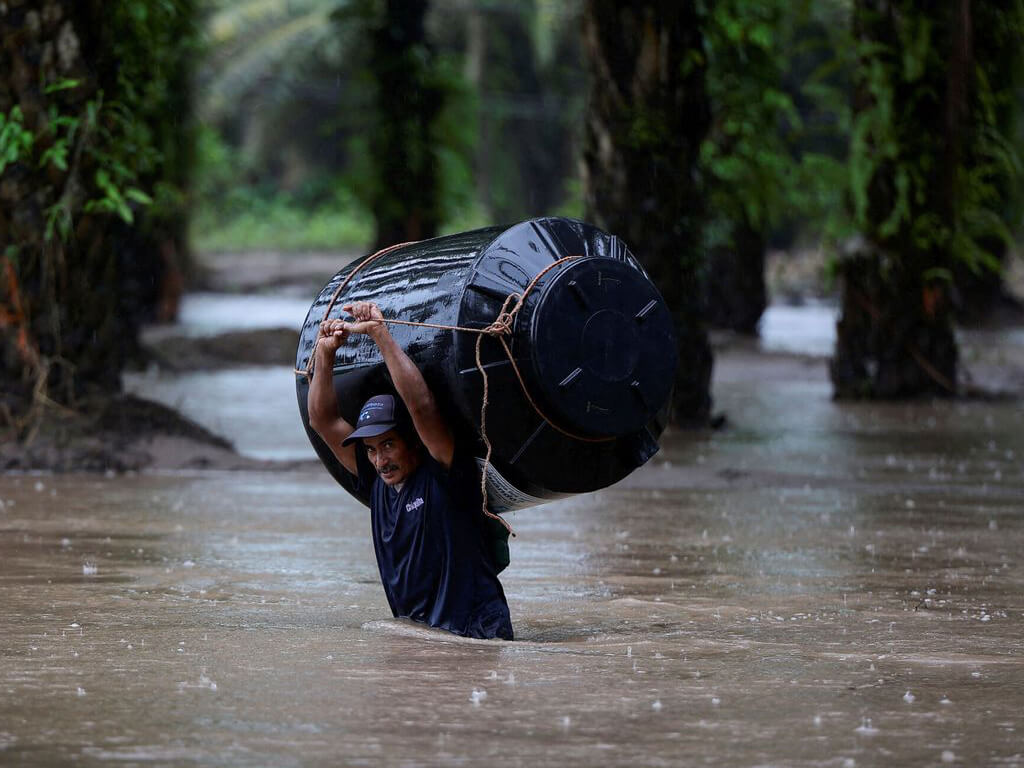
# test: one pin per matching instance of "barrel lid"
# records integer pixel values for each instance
(603, 347)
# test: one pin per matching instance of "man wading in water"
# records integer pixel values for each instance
(425, 504)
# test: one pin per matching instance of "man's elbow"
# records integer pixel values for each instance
(318, 422)
(422, 404)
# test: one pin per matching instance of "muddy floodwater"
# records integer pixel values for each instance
(816, 584)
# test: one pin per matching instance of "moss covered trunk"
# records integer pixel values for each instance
(931, 163)
(92, 163)
(647, 115)
(895, 333)
(895, 336)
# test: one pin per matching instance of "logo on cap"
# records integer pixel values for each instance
(377, 416)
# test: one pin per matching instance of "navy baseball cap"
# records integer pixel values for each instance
(378, 415)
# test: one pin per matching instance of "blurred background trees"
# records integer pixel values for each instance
(774, 154)
(297, 115)
(705, 135)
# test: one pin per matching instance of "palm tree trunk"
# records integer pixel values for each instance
(406, 202)
(895, 334)
(78, 279)
(647, 115)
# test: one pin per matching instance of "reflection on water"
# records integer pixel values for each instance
(809, 329)
(203, 314)
(253, 407)
(819, 584)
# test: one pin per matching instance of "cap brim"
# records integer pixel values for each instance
(370, 430)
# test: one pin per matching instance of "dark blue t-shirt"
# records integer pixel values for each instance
(435, 564)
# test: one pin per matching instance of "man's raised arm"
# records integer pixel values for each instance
(322, 401)
(408, 380)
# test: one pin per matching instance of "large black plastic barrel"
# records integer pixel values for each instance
(593, 341)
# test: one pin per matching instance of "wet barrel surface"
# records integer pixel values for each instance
(592, 343)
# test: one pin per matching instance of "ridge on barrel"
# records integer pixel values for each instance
(593, 342)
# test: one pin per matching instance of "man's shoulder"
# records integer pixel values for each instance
(463, 466)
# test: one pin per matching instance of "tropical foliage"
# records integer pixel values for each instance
(94, 156)
(889, 130)
(931, 166)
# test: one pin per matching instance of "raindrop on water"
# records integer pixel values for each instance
(866, 727)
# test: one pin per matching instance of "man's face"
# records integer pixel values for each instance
(392, 457)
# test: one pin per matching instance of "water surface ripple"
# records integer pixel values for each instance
(819, 584)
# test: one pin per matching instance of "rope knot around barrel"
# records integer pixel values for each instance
(502, 324)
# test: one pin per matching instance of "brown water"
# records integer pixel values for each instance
(816, 585)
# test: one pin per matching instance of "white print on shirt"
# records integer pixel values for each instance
(412, 505)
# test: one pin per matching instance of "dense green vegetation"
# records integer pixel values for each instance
(931, 170)
(700, 133)
(774, 157)
(95, 151)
